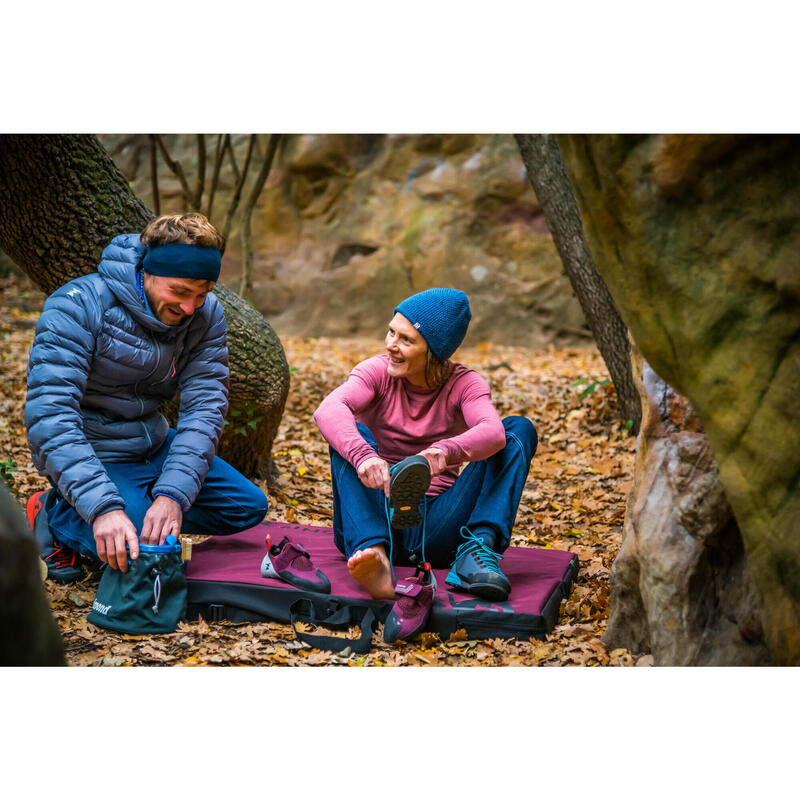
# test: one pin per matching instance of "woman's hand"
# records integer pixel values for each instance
(436, 458)
(374, 473)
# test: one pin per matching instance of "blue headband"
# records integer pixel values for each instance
(175, 260)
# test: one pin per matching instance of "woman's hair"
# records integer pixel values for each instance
(189, 228)
(436, 373)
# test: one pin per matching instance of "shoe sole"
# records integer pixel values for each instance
(486, 591)
(62, 579)
(408, 487)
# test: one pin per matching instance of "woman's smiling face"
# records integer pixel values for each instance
(407, 351)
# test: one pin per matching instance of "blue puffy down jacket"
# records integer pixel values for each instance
(100, 368)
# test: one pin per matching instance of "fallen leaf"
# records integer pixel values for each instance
(429, 639)
(77, 599)
(421, 657)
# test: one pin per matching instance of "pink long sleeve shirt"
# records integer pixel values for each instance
(458, 418)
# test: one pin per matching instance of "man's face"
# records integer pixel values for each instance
(173, 299)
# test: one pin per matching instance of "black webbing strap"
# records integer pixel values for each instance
(330, 614)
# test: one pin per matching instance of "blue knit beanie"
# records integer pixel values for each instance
(441, 316)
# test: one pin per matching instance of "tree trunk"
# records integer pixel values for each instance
(240, 181)
(62, 200)
(542, 159)
(246, 281)
(29, 635)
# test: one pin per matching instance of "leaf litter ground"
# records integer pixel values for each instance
(574, 500)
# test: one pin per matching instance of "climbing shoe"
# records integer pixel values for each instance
(289, 561)
(412, 606)
(62, 562)
(409, 480)
(475, 569)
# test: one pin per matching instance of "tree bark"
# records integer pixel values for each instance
(29, 635)
(542, 158)
(62, 200)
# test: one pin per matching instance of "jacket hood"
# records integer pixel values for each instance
(118, 266)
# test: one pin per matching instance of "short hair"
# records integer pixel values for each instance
(189, 228)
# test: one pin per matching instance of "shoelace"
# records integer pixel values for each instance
(480, 551)
(61, 557)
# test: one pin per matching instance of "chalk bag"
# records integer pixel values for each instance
(149, 598)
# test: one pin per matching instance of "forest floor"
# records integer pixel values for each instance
(574, 500)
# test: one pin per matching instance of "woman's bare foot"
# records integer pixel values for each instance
(371, 568)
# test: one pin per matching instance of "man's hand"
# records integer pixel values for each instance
(374, 473)
(436, 458)
(163, 518)
(111, 531)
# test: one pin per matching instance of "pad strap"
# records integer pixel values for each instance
(339, 617)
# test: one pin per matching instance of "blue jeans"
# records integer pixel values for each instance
(227, 501)
(485, 494)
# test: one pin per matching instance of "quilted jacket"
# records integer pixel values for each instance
(100, 368)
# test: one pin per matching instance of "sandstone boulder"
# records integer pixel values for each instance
(348, 225)
(698, 239)
(680, 586)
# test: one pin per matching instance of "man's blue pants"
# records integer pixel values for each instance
(228, 502)
(485, 494)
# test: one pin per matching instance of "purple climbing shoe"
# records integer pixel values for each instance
(291, 562)
(412, 607)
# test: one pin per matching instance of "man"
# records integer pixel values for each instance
(110, 349)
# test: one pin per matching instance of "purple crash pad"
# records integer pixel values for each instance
(225, 572)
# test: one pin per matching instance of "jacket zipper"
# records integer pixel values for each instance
(138, 383)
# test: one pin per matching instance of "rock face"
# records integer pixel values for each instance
(349, 225)
(698, 239)
(680, 586)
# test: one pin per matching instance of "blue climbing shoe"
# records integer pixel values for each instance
(410, 479)
(475, 569)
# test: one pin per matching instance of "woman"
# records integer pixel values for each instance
(413, 401)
